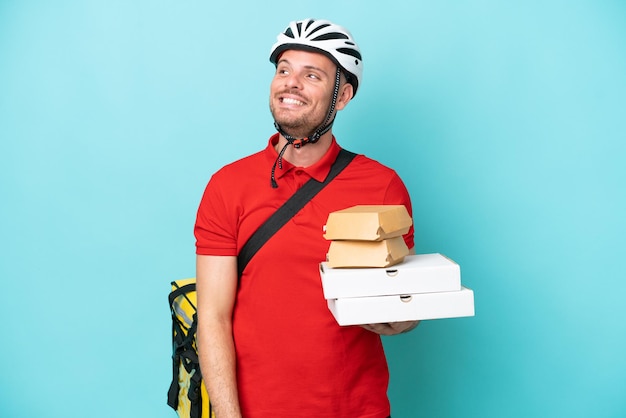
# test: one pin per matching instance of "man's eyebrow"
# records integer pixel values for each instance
(309, 67)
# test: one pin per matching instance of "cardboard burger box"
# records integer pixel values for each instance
(382, 253)
(408, 307)
(421, 273)
(368, 223)
(367, 236)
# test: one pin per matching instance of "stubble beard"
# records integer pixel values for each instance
(301, 126)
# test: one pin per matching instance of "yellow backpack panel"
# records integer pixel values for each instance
(187, 394)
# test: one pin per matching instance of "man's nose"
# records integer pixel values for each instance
(293, 81)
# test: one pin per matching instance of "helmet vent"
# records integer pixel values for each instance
(330, 36)
(320, 27)
(349, 51)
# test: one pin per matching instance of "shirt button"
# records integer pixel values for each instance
(298, 172)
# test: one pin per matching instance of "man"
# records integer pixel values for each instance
(268, 345)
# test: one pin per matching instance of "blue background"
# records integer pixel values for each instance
(506, 120)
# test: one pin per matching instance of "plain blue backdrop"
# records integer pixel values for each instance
(507, 121)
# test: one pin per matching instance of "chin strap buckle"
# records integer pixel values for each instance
(298, 143)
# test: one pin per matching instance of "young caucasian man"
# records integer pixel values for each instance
(268, 345)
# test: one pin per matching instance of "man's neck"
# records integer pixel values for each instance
(307, 154)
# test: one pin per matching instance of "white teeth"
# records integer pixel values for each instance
(292, 101)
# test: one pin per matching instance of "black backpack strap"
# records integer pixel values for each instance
(289, 209)
(173, 391)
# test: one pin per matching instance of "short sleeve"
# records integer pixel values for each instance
(397, 194)
(216, 224)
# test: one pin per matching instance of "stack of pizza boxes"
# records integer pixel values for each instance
(369, 276)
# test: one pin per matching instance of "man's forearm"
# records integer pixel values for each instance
(218, 364)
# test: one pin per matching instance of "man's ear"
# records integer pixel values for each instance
(346, 92)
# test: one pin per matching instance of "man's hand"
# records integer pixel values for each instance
(392, 328)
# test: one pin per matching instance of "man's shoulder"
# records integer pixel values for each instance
(363, 162)
(245, 163)
(241, 175)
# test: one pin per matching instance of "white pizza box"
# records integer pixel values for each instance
(368, 223)
(383, 253)
(421, 273)
(395, 308)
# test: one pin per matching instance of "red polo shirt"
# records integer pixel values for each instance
(293, 360)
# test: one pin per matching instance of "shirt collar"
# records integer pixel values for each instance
(318, 171)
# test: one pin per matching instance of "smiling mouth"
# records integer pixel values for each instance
(290, 101)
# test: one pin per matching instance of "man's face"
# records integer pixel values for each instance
(301, 91)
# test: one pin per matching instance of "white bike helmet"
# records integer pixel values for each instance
(323, 36)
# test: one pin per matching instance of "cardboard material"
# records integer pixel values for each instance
(383, 253)
(420, 306)
(368, 223)
(422, 273)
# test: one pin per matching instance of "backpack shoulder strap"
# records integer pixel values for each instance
(289, 209)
